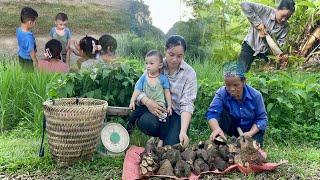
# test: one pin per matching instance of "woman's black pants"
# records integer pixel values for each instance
(169, 131)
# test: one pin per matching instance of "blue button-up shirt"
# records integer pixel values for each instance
(248, 112)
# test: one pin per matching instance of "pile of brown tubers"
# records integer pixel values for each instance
(204, 156)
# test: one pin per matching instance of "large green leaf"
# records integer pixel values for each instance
(270, 106)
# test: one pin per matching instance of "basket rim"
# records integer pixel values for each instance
(49, 103)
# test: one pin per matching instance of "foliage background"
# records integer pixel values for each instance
(293, 117)
(221, 26)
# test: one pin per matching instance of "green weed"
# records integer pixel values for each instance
(21, 97)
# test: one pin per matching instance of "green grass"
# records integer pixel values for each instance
(83, 19)
(22, 95)
(208, 70)
(19, 155)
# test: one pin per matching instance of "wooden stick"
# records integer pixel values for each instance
(312, 52)
(240, 131)
(315, 35)
(118, 111)
(273, 46)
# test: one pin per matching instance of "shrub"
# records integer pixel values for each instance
(292, 99)
(132, 45)
(192, 31)
(112, 83)
(293, 104)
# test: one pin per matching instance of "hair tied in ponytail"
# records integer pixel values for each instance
(95, 47)
(48, 53)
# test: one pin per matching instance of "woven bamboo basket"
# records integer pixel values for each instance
(73, 126)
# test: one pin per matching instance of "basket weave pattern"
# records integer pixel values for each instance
(73, 127)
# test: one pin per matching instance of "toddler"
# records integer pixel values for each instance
(156, 87)
(63, 34)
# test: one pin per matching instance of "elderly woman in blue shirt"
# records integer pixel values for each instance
(237, 105)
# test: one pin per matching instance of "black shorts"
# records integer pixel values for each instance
(26, 64)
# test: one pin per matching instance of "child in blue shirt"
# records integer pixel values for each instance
(63, 34)
(156, 87)
(26, 41)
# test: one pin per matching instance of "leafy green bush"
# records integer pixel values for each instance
(206, 92)
(112, 83)
(292, 99)
(192, 32)
(140, 46)
(305, 13)
(293, 104)
(222, 29)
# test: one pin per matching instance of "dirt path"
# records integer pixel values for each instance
(9, 45)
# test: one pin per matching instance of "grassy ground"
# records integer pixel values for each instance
(83, 19)
(19, 158)
(19, 147)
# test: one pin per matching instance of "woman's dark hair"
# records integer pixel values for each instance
(86, 45)
(28, 14)
(155, 53)
(176, 40)
(55, 48)
(287, 4)
(106, 41)
(62, 17)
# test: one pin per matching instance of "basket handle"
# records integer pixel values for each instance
(77, 100)
(41, 151)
